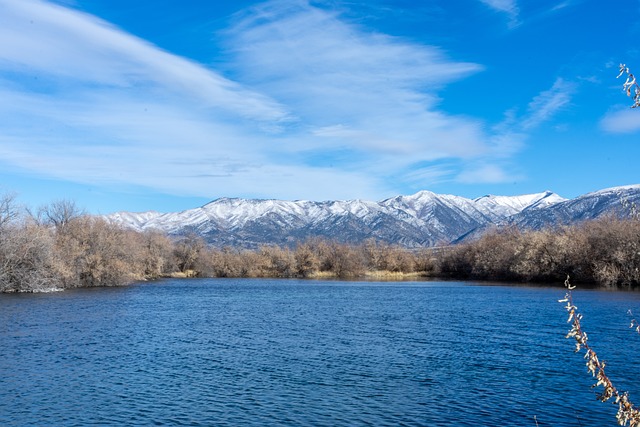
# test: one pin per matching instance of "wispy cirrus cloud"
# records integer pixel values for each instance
(370, 93)
(548, 103)
(85, 101)
(542, 108)
(315, 102)
(511, 135)
(562, 5)
(63, 46)
(508, 7)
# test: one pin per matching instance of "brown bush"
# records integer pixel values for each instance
(188, 252)
(307, 261)
(27, 258)
(154, 253)
(94, 252)
(603, 251)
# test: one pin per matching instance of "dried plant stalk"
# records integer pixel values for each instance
(628, 414)
(630, 86)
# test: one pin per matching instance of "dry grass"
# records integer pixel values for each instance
(394, 275)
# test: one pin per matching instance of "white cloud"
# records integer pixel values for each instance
(511, 134)
(561, 5)
(82, 100)
(546, 104)
(542, 108)
(509, 7)
(485, 174)
(621, 121)
(69, 47)
(430, 174)
(368, 91)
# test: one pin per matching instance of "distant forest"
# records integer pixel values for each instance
(58, 246)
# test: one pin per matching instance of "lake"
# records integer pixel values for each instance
(226, 352)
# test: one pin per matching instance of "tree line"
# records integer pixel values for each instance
(603, 252)
(59, 246)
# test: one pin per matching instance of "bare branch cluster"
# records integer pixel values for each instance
(628, 414)
(605, 251)
(630, 86)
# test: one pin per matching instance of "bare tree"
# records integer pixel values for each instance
(307, 261)
(94, 252)
(9, 211)
(187, 252)
(26, 259)
(154, 253)
(59, 213)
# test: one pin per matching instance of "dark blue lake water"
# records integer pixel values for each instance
(305, 353)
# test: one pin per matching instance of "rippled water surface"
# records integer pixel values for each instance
(260, 352)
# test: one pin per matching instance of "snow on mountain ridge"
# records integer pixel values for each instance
(424, 218)
(518, 203)
(138, 219)
(237, 212)
(614, 190)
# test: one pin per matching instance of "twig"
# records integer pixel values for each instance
(629, 84)
(627, 413)
(634, 323)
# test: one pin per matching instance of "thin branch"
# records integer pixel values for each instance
(627, 414)
(630, 86)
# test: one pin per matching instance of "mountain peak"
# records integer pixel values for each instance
(418, 220)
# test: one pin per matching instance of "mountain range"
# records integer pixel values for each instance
(423, 219)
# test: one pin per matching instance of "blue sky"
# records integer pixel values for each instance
(166, 104)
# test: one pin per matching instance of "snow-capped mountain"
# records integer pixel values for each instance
(419, 220)
(618, 201)
(621, 202)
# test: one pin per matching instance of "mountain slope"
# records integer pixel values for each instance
(621, 202)
(418, 220)
(617, 201)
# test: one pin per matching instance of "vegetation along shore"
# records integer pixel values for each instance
(59, 247)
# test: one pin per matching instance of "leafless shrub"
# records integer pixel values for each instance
(153, 253)
(614, 251)
(537, 257)
(426, 262)
(345, 261)
(277, 262)
(228, 262)
(307, 261)
(27, 258)
(382, 256)
(94, 252)
(604, 251)
(188, 252)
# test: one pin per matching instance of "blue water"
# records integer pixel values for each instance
(303, 353)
